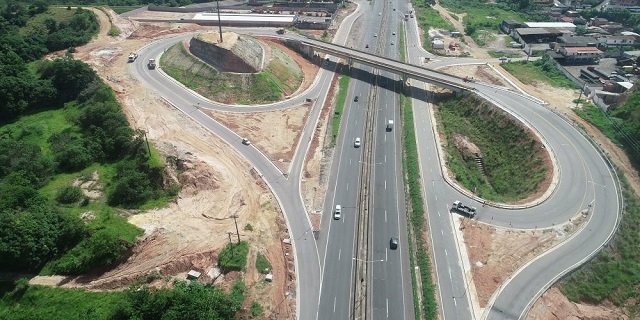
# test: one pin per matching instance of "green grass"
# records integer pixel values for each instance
(39, 302)
(481, 15)
(531, 73)
(498, 54)
(513, 160)
(280, 78)
(37, 128)
(262, 264)
(113, 31)
(341, 99)
(594, 115)
(123, 9)
(234, 257)
(416, 214)
(36, 24)
(402, 44)
(428, 18)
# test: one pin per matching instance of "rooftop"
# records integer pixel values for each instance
(550, 25)
(534, 31)
(582, 50)
(283, 18)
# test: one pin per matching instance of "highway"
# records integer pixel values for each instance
(585, 182)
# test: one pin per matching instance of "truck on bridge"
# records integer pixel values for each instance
(464, 209)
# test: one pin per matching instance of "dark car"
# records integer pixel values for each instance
(356, 98)
(393, 243)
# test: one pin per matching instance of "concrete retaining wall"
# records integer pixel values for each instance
(244, 57)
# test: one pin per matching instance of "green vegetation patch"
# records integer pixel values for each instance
(428, 18)
(187, 300)
(280, 78)
(513, 160)
(542, 70)
(499, 54)
(341, 99)
(234, 257)
(262, 264)
(411, 168)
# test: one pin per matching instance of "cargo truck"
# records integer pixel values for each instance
(464, 209)
(390, 125)
(151, 64)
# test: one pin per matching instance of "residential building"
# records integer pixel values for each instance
(579, 55)
(610, 41)
(555, 25)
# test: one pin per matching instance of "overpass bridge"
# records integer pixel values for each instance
(405, 70)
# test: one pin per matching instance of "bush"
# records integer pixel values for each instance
(69, 195)
(248, 227)
(100, 250)
(256, 310)
(262, 264)
(234, 257)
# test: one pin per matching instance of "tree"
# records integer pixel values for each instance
(68, 76)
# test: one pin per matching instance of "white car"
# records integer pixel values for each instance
(356, 144)
(375, 35)
(337, 214)
(246, 141)
(393, 33)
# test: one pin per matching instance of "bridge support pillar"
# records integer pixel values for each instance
(458, 93)
(405, 80)
(350, 62)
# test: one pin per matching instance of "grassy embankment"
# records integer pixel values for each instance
(614, 274)
(341, 100)
(428, 18)
(418, 246)
(513, 160)
(280, 78)
(532, 72)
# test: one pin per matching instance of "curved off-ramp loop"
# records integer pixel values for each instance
(587, 183)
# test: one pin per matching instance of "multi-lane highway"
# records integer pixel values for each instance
(585, 182)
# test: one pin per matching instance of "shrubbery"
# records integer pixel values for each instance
(262, 264)
(69, 195)
(234, 257)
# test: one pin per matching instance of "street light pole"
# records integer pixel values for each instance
(219, 23)
(235, 217)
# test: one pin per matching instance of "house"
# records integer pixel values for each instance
(577, 41)
(631, 5)
(572, 14)
(596, 22)
(555, 25)
(610, 41)
(507, 26)
(579, 55)
(612, 27)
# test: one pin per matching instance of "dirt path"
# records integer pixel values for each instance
(471, 45)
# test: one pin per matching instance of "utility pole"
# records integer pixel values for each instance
(580, 96)
(235, 217)
(230, 243)
(219, 23)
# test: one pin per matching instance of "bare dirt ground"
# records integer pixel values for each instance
(217, 182)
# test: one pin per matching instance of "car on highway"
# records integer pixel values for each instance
(393, 243)
(246, 141)
(366, 46)
(375, 35)
(356, 98)
(391, 42)
(337, 214)
(356, 144)
(393, 33)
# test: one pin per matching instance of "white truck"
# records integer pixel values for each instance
(132, 57)
(151, 64)
(390, 125)
(464, 209)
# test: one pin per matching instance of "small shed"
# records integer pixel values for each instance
(437, 44)
(193, 275)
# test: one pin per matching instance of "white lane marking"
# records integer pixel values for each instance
(347, 186)
(387, 307)
(334, 304)
(438, 213)
(435, 197)
(339, 254)
(385, 216)
(386, 254)
(385, 184)
(385, 138)
(441, 231)
(446, 254)
(349, 161)
(385, 158)
(433, 183)
(455, 302)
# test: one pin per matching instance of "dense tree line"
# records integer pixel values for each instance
(622, 16)
(33, 229)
